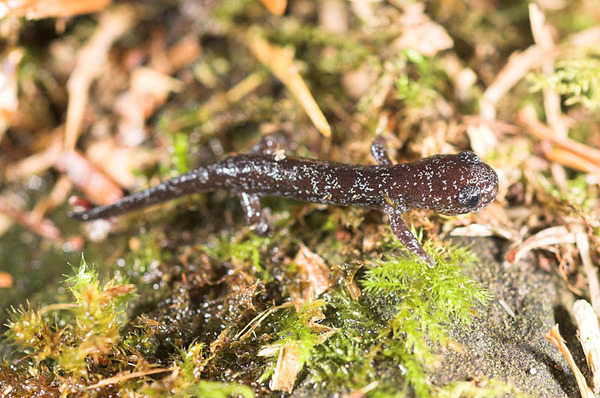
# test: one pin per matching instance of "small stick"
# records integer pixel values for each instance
(589, 337)
(528, 118)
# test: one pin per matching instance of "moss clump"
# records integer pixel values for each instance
(402, 317)
(300, 328)
(425, 301)
(576, 79)
(181, 151)
(242, 249)
(421, 82)
(80, 342)
(442, 292)
(386, 341)
(84, 350)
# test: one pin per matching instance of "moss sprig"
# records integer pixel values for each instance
(576, 79)
(426, 300)
(443, 291)
(422, 90)
(240, 250)
(188, 382)
(301, 329)
(86, 333)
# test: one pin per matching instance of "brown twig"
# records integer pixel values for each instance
(97, 186)
(126, 376)
(528, 118)
(281, 62)
(543, 37)
(42, 227)
(90, 63)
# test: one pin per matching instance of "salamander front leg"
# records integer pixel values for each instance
(253, 212)
(401, 231)
(379, 152)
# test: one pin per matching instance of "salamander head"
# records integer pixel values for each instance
(451, 184)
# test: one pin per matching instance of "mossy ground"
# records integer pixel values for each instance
(185, 300)
(401, 319)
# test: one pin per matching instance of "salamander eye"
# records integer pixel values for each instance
(469, 157)
(469, 196)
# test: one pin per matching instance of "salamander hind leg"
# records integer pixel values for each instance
(401, 231)
(271, 144)
(379, 152)
(253, 212)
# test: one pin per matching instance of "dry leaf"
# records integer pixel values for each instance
(287, 368)
(27, 219)
(421, 34)
(314, 269)
(6, 279)
(277, 7)
(90, 63)
(547, 237)
(38, 9)
(9, 100)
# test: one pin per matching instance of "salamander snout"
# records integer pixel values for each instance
(480, 184)
(452, 184)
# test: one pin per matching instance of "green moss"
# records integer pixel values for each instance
(576, 79)
(180, 153)
(228, 10)
(242, 249)
(401, 319)
(346, 360)
(419, 83)
(189, 383)
(580, 194)
(180, 149)
(344, 53)
(209, 389)
(299, 328)
(442, 291)
(86, 331)
(426, 300)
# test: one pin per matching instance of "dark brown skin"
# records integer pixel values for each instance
(447, 184)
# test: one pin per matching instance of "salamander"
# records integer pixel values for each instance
(447, 184)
